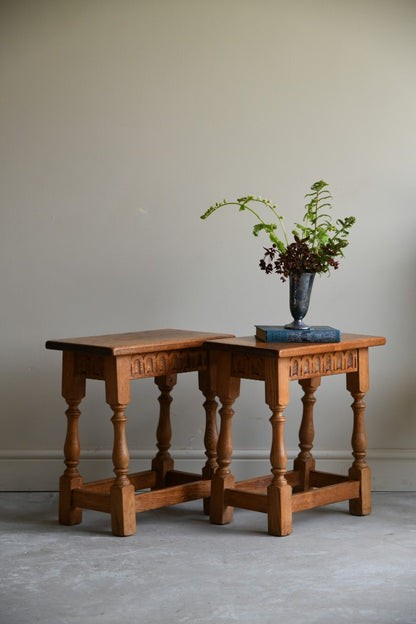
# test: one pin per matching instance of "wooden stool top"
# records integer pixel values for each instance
(289, 349)
(135, 342)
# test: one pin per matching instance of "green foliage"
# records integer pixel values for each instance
(322, 239)
(317, 228)
(269, 228)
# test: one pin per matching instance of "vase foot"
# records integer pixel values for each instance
(300, 325)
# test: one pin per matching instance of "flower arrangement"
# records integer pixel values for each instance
(317, 240)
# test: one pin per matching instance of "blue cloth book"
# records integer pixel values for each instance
(317, 333)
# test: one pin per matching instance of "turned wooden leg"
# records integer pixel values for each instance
(222, 479)
(358, 384)
(304, 462)
(279, 492)
(211, 429)
(122, 501)
(73, 390)
(122, 498)
(163, 462)
(228, 389)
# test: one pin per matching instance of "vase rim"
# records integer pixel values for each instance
(302, 273)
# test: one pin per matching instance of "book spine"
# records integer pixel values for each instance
(300, 336)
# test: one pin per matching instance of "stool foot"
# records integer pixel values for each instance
(361, 506)
(219, 512)
(69, 515)
(123, 510)
(207, 473)
(206, 506)
(161, 465)
(279, 513)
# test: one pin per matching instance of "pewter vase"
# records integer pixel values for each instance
(300, 288)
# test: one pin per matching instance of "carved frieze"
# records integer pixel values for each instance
(167, 362)
(305, 366)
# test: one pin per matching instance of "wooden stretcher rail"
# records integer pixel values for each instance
(172, 495)
(325, 495)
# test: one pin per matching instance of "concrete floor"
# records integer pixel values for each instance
(178, 568)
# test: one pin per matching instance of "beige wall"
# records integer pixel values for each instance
(121, 122)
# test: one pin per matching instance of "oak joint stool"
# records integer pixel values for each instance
(117, 359)
(284, 492)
